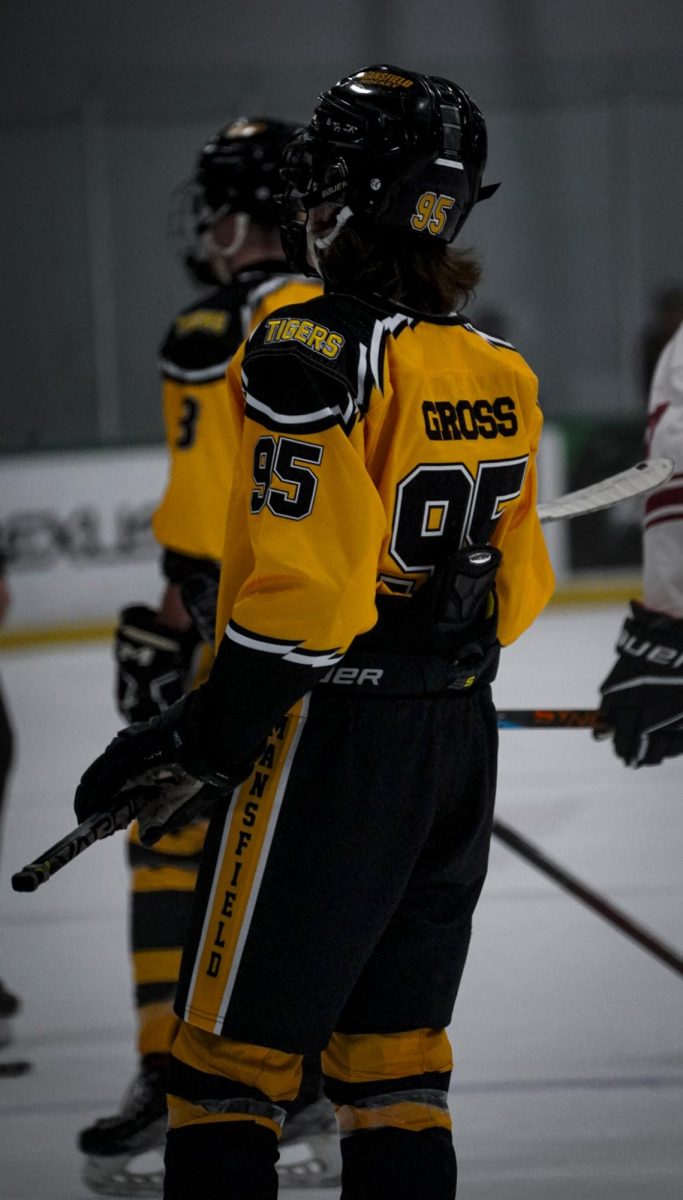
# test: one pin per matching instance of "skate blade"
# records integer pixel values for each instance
(114, 1175)
(311, 1163)
(314, 1162)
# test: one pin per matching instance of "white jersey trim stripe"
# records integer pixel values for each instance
(255, 643)
(488, 337)
(381, 328)
(668, 511)
(321, 414)
(311, 660)
(654, 680)
(207, 373)
(257, 294)
(288, 651)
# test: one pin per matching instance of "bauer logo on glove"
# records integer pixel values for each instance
(153, 663)
(642, 697)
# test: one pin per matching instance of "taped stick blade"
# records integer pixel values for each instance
(635, 481)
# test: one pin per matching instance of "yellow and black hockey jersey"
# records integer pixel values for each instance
(373, 441)
(194, 358)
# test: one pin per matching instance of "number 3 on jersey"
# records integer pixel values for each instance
(187, 423)
(283, 459)
(439, 507)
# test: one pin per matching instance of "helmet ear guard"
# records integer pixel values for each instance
(398, 148)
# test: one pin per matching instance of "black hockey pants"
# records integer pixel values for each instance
(333, 914)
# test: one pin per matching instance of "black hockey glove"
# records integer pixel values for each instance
(199, 594)
(173, 799)
(153, 663)
(460, 605)
(461, 592)
(170, 740)
(642, 697)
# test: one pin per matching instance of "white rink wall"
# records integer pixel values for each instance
(75, 527)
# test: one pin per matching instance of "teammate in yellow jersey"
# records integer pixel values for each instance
(382, 542)
(225, 223)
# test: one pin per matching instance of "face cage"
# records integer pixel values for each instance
(304, 189)
(189, 233)
(191, 217)
(182, 233)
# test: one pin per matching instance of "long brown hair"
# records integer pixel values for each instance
(429, 276)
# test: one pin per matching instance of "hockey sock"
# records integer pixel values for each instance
(220, 1159)
(402, 1164)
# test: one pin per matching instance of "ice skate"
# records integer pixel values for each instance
(124, 1153)
(310, 1156)
(114, 1146)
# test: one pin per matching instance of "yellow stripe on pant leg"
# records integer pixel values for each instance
(186, 842)
(182, 1113)
(156, 966)
(274, 1072)
(157, 1028)
(247, 836)
(364, 1057)
(164, 879)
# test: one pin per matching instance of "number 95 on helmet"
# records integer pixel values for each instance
(391, 148)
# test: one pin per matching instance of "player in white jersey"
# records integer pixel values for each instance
(642, 697)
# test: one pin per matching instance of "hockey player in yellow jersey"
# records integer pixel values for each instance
(383, 542)
(224, 222)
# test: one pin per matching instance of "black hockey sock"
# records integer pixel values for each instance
(311, 1085)
(220, 1160)
(400, 1164)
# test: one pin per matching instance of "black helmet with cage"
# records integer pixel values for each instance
(394, 148)
(238, 171)
(237, 174)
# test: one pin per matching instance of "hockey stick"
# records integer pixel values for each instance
(548, 718)
(643, 477)
(100, 825)
(608, 911)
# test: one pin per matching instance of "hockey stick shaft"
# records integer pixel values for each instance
(635, 481)
(548, 718)
(604, 908)
(100, 825)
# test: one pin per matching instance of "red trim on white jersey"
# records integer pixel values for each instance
(663, 517)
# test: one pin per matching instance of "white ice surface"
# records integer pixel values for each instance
(567, 1036)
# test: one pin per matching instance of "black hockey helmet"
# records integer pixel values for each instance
(396, 147)
(237, 171)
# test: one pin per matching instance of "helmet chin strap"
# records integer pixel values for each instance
(315, 244)
(220, 256)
